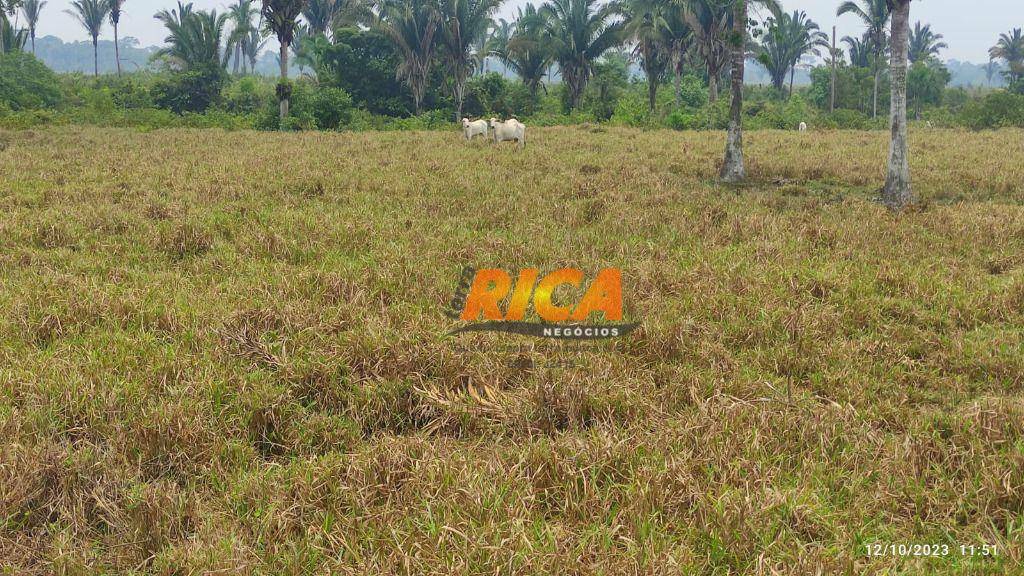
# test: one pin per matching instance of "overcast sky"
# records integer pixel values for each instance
(970, 28)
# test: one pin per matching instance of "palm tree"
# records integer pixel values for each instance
(462, 24)
(320, 15)
(789, 37)
(580, 31)
(875, 14)
(241, 15)
(710, 21)
(11, 40)
(252, 46)
(526, 51)
(280, 17)
(990, 70)
(32, 9)
(91, 15)
(411, 25)
(1010, 48)
(860, 51)
(645, 25)
(676, 42)
(497, 41)
(194, 37)
(924, 43)
(897, 192)
(115, 9)
(733, 169)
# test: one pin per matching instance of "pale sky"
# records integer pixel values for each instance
(970, 28)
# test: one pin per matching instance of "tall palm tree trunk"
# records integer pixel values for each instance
(117, 52)
(33, 43)
(792, 74)
(897, 192)
(95, 58)
(712, 86)
(732, 168)
(284, 81)
(238, 51)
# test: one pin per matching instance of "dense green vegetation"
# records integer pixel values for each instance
(356, 90)
(640, 63)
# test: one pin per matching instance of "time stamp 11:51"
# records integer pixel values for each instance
(887, 549)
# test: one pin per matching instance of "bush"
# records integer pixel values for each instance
(246, 95)
(632, 110)
(26, 83)
(1000, 109)
(684, 120)
(193, 90)
(310, 107)
(845, 119)
(692, 92)
(331, 107)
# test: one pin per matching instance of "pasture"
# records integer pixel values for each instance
(226, 352)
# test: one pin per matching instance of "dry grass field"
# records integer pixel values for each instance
(226, 353)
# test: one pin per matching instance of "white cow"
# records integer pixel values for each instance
(803, 127)
(470, 129)
(510, 129)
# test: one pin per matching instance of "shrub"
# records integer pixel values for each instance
(684, 120)
(26, 83)
(246, 96)
(632, 110)
(1000, 109)
(692, 92)
(331, 107)
(193, 90)
(845, 119)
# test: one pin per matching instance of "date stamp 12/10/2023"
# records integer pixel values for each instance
(930, 550)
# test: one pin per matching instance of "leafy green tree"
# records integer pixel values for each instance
(1010, 49)
(32, 10)
(25, 82)
(926, 83)
(364, 64)
(580, 32)
(462, 24)
(91, 14)
(411, 25)
(527, 52)
(646, 26)
(875, 15)
(924, 43)
(280, 17)
(609, 80)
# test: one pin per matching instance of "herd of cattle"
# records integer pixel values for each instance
(510, 129)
